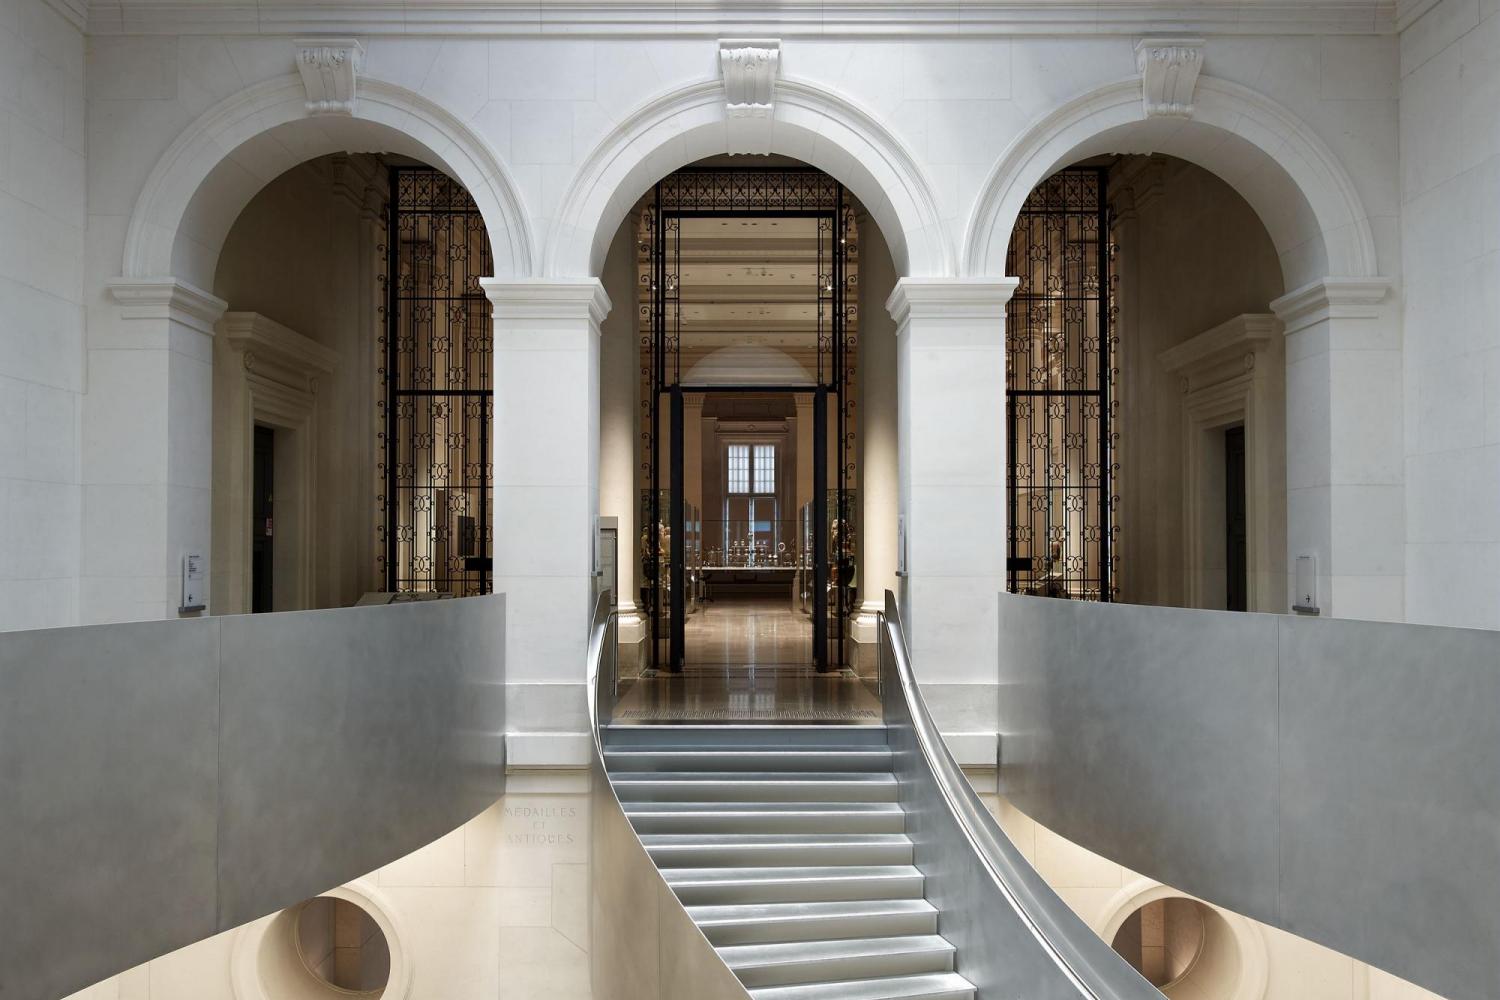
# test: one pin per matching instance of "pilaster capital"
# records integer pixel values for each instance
(1331, 299)
(167, 299)
(949, 299)
(547, 299)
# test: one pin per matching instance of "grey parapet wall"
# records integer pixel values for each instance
(163, 781)
(1337, 779)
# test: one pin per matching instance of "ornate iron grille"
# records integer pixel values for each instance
(436, 398)
(1061, 398)
(714, 192)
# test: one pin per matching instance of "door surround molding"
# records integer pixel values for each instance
(266, 374)
(1231, 375)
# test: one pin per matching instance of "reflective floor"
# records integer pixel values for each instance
(748, 661)
(760, 632)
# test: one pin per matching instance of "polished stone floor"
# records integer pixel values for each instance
(748, 661)
(760, 632)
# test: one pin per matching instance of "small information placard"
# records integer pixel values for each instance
(192, 582)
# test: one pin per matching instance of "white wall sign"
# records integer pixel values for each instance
(1305, 599)
(193, 576)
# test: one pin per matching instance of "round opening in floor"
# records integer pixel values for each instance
(342, 946)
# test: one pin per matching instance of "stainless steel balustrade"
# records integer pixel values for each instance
(163, 781)
(1015, 937)
(643, 944)
(1337, 779)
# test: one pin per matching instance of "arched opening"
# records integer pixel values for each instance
(733, 384)
(352, 390)
(187, 207)
(1146, 390)
(1326, 256)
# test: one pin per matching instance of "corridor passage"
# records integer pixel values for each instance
(749, 660)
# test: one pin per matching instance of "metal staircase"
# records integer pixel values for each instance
(788, 847)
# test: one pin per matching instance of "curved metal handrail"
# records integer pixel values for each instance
(1047, 950)
(644, 944)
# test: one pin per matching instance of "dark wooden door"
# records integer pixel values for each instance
(261, 520)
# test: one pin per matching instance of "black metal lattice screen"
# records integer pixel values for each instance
(1061, 400)
(435, 393)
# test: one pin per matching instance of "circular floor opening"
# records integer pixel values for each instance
(1182, 947)
(341, 946)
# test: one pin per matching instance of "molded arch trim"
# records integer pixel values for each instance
(1296, 184)
(811, 124)
(396, 118)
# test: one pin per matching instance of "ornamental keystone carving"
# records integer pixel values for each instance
(1169, 69)
(750, 67)
(329, 68)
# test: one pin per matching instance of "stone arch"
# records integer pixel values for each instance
(212, 170)
(810, 123)
(1301, 192)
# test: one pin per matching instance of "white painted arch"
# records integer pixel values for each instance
(1295, 183)
(218, 163)
(811, 124)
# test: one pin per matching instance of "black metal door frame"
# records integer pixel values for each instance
(678, 643)
(737, 193)
(820, 529)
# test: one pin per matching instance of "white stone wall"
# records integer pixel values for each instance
(42, 146)
(1450, 219)
(544, 106)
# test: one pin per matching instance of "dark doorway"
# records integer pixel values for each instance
(1236, 583)
(261, 522)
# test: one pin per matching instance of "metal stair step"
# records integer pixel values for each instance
(941, 986)
(695, 886)
(796, 962)
(768, 922)
(742, 849)
(750, 735)
(771, 758)
(766, 817)
(758, 786)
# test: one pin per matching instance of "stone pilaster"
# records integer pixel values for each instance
(148, 448)
(950, 343)
(1346, 502)
(546, 469)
